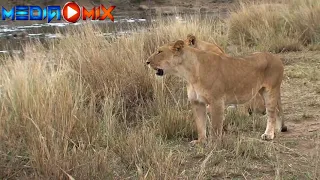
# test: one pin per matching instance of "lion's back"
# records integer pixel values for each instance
(212, 48)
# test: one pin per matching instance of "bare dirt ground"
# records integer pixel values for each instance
(301, 100)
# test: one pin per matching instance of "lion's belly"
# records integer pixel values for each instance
(239, 98)
(241, 91)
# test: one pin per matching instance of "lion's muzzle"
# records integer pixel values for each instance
(159, 71)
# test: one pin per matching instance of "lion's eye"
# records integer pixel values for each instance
(159, 52)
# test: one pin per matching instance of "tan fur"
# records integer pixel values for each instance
(255, 105)
(218, 80)
(194, 42)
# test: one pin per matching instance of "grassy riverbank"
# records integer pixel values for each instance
(88, 108)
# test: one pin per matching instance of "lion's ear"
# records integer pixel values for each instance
(178, 45)
(191, 38)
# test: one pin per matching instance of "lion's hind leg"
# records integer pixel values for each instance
(280, 121)
(257, 105)
(271, 96)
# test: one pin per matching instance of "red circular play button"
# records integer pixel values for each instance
(71, 12)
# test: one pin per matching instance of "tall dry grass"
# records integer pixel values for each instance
(276, 27)
(89, 108)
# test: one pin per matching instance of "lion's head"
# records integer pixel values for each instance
(194, 42)
(166, 58)
(191, 40)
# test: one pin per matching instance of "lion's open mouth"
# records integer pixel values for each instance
(159, 72)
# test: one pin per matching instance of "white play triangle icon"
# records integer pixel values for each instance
(71, 12)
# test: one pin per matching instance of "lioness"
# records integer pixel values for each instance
(255, 105)
(218, 80)
(192, 41)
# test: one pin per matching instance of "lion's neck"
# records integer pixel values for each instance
(188, 68)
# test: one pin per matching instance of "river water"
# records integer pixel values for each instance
(14, 35)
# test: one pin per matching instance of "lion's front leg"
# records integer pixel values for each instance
(199, 111)
(217, 117)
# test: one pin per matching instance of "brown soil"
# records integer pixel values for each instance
(301, 100)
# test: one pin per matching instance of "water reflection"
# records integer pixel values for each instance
(13, 38)
(14, 35)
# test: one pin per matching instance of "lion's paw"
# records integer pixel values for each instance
(267, 136)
